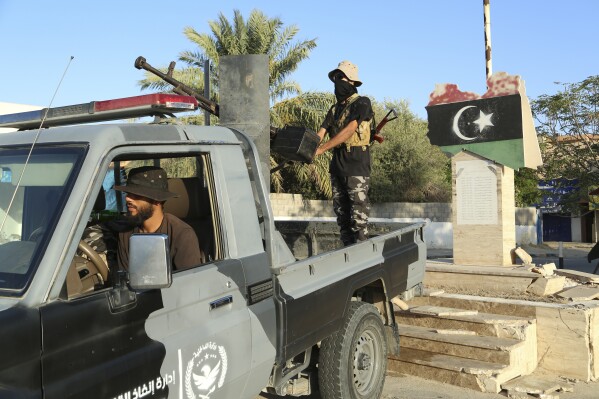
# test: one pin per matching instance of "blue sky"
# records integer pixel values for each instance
(403, 48)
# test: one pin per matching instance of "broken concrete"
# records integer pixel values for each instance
(578, 276)
(533, 384)
(580, 293)
(547, 269)
(547, 286)
(523, 255)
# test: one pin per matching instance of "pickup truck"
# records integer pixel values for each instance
(252, 318)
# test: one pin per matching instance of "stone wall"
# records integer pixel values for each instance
(437, 234)
(293, 205)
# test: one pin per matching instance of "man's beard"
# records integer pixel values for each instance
(143, 214)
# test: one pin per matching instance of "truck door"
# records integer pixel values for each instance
(191, 340)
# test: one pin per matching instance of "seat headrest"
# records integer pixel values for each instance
(100, 203)
(188, 203)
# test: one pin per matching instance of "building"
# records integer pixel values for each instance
(559, 225)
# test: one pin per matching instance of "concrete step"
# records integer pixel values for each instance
(454, 341)
(495, 306)
(468, 373)
(476, 347)
(486, 324)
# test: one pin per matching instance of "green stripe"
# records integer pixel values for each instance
(506, 152)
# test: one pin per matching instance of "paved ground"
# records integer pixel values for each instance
(409, 387)
(574, 255)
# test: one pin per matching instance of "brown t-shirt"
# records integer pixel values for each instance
(184, 246)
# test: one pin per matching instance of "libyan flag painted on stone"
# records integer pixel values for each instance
(497, 125)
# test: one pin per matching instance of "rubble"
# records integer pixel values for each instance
(535, 386)
(547, 286)
(580, 293)
(578, 276)
(523, 255)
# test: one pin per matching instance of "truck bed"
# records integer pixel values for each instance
(312, 294)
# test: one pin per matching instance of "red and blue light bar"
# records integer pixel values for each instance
(100, 111)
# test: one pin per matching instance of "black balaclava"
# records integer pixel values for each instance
(344, 89)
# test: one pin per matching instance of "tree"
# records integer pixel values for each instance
(258, 35)
(526, 182)
(406, 167)
(568, 127)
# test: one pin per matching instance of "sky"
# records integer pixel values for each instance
(402, 48)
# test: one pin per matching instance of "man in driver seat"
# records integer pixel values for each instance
(146, 192)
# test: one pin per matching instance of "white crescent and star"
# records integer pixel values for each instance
(483, 121)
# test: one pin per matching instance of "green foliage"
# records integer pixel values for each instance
(526, 182)
(258, 34)
(406, 167)
(568, 128)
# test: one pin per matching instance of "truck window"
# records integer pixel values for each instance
(33, 191)
(190, 178)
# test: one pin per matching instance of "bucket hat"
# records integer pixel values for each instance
(350, 71)
(149, 182)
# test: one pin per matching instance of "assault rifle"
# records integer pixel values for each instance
(376, 136)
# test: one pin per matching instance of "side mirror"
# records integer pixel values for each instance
(149, 261)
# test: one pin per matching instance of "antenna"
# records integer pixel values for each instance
(37, 135)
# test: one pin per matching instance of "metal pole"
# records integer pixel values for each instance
(560, 264)
(487, 12)
(207, 90)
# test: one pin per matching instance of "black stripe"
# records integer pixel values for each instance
(20, 348)
(315, 316)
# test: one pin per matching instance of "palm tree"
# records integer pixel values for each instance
(258, 35)
(308, 110)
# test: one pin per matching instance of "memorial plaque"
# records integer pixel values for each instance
(476, 189)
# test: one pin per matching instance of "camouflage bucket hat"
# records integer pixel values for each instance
(349, 70)
(149, 182)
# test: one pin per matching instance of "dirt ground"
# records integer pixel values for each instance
(409, 387)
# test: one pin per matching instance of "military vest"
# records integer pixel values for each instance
(361, 137)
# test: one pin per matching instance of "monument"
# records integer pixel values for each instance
(488, 137)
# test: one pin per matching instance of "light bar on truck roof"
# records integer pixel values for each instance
(97, 111)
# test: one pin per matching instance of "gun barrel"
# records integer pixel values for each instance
(179, 87)
(381, 124)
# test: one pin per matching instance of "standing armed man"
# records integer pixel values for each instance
(348, 126)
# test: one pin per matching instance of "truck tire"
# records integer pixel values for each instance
(353, 360)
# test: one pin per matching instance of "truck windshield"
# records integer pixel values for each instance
(32, 196)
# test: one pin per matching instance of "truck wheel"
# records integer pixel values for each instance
(353, 360)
